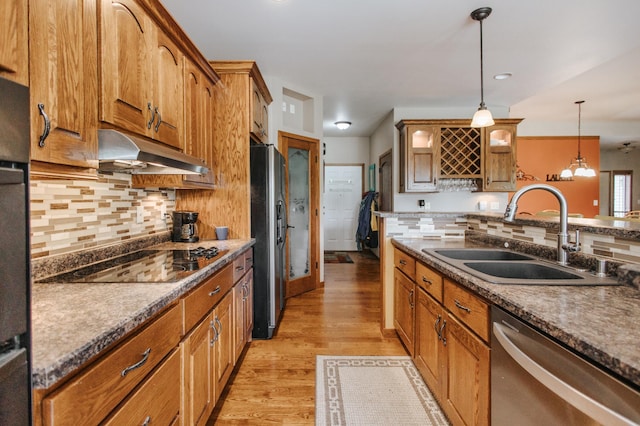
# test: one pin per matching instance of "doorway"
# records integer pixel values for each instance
(303, 200)
(385, 171)
(343, 189)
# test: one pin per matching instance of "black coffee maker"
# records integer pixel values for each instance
(185, 229)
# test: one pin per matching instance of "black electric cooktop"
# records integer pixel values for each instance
(144, 266)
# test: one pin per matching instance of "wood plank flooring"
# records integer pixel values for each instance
(275, 384)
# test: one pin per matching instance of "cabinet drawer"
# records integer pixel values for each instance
(89, 397)
(468, 308)
(429, 280)
(240, 265)
(405, 263)
(157, 401)
(248, 259)
(201, 300)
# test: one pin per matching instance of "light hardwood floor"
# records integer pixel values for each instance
(275, 384)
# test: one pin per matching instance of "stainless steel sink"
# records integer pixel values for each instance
(507, 267)
(481, 254)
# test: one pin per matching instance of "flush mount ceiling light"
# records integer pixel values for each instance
(482, 117)
(579, 163)
(342, 125)
(502, 76)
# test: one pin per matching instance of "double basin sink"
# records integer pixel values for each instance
(508, 267)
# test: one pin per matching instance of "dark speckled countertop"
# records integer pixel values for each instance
(72, 323)
(602, 322)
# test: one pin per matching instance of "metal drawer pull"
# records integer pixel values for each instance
(216, 335)
(239, 268)
(138, 364)
(220, 325)
(435, 326)
(461, 306)
(425, 280)
(159, 120)
(47, 126)
(147, 421)
(441, 333)
(214, 292)
(153, 115)
(403, 262)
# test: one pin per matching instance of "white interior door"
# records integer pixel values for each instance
(342, 197)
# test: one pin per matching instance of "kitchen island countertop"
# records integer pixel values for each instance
(73, 323)
(598, 322)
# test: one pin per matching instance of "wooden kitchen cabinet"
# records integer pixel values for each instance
(419, 157)
(223, 347)
(243, 310)
(500, 156)
(14, 42)
(157, 401)
(89, 397)
(259, 112)
(63, 87)
(450, 344)
(141, 74)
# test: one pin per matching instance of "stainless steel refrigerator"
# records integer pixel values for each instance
(269, 228)
(15, 373)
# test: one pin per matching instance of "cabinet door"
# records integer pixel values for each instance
(223, 348)
(500, 158)
(403, 312)
(62, 59)
(419, 158)
(466, 386)
(197, 371)
(248, 306)
(430, 351)
(198, 121)
(168, 94)
(126, 63)
(14, 44)
(239, 339)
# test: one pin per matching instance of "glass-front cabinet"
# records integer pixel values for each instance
(419, 157)
(500, 157)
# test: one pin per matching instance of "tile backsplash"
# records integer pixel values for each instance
(72, 215)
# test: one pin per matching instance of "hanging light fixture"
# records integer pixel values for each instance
(482, 117)
(579, 163)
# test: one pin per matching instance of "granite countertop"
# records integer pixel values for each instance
(72, 323)
(599, 322)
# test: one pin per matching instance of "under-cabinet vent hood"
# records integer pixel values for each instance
(120, 152)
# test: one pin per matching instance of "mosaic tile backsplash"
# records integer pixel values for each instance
(72, 215)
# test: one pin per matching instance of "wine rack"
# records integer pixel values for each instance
(460, 153)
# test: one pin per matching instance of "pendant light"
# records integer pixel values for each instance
(579, 163)
(482, 117)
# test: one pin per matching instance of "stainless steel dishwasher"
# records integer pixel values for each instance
(536, 381)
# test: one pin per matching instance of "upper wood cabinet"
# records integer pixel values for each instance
(14, 44)
(63, 91)
(434, 151)
(141, 74)
(500, 156)
(260, 112)
(419, 154)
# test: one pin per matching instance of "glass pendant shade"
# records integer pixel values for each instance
(566, 173)
(482, 118)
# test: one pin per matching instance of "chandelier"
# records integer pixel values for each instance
(579, 163)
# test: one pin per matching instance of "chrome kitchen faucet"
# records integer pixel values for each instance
(563, 237)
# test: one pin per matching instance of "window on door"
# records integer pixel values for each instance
(621, 192)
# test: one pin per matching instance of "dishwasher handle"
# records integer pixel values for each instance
(571, 395)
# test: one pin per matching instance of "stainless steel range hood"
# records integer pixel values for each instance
(124, 153)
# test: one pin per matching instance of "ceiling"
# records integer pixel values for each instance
(365, 57)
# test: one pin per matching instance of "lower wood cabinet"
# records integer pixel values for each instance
(445, 328)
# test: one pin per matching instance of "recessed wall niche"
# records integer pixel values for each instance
(297, 111)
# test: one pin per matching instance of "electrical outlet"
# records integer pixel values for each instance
(139, 215)
(421, 204)
(495, 205)
(595, 203)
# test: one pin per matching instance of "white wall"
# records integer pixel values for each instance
(348, 150)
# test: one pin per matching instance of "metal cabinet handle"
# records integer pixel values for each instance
(220, 325)
(216, 335)
(145, 357)
(159, 120)
(214, 292)
(47, 125)
(153, 115)
(435, 326)
(441, 333)
(411, 299)
(403, 262)
(461, 306)
(240, 268)
(425, 280)
(147, 421)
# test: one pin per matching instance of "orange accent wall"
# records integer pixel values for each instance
(547, 155)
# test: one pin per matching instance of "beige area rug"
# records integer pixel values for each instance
(373, 390)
